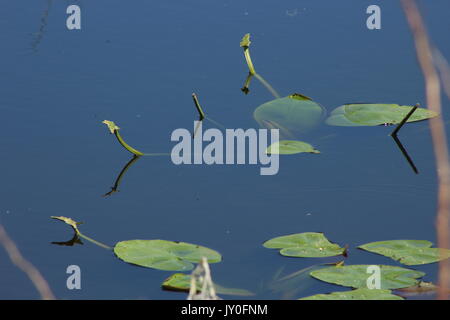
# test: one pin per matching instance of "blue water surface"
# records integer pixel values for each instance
(137, 63)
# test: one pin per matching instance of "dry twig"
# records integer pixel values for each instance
(16, 257)
(433, 96)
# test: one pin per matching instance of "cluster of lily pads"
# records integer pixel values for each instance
(181, 256)
(297, 113)
(407, 252)
(292, 115)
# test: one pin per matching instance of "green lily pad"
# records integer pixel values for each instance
(291, 114)
(290, 147)
(305, 245)
(375, 114)
(357, 294)
(182, 282)
(163, 254)
(356, 276)
(408, 252)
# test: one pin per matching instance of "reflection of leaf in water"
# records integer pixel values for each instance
(290, 147)
(357, 294)
(182, 282)
(422, 288)
(355, 276)
(292, 114)
(290, 286)
(374, 114)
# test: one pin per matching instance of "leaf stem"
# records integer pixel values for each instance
(400, 125)
(125, 145)
(93, 241)
(251, 68)
(199, 108)
(74, 226)
(245, 44)
(405, 153)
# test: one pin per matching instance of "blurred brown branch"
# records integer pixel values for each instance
(433, 96)
(16, 257)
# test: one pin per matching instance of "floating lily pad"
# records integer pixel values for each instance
(164, 255)
(357, 294)
(290, 147)
(306, 245)
(296, 113)
(182, 282)
(408, 252)
(375, 114)
(356, 276)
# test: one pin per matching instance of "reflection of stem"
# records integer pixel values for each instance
(197, 126)
(405, 154)
(71, 242)
(397, 140)
(245, 89)
(120, 176)
(438, 135)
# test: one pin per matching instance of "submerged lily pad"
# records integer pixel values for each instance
(357, 294)
(163, 254)
(356, 276)
(421, 288)
(374, 114)
(290, 147)
(306, 245)
(182, 282)
(408, 252)
(296, 113)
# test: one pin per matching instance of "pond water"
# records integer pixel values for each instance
(138, 64)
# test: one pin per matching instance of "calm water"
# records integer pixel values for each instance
(137, 64)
